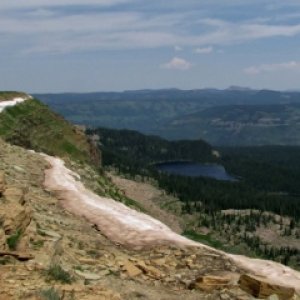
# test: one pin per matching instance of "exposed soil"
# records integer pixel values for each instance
(149, 197)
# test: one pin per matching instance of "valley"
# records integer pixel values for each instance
(256, 215)
(76, 233)
(149, 150)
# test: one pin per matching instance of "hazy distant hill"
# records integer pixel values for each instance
(235, 116)
(241, 125)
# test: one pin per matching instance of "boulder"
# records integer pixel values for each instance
(262, 289)
(131, 269)
(209, 283)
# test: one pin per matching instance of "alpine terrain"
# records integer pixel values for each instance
(69, 231)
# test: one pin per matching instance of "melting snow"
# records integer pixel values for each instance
(12, 102)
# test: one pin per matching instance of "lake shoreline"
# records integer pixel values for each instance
(195, 169)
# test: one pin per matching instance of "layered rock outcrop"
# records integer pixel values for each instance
(15, 215)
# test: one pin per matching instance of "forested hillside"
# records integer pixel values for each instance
(265, 181)
(134, 151)
(241, 125)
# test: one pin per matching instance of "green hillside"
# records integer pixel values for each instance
(33, 125)
(8, 95)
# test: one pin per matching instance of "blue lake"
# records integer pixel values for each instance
(193, 169)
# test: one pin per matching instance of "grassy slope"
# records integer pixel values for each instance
(33, 125)
(7, 95)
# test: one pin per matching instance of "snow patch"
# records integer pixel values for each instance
(9, 103)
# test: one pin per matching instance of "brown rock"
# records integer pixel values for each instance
(87, 261)
(159, 261)
(88, 275)
(150, 270)
(3, 245)
(99, 293)
(131, 269)
(18, 255)
(210, 283)
(6, 297)
(13, 194)
(2, 182)
(15, 217)
(262, 289)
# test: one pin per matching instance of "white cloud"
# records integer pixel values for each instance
(178, 48)
(226, 33)
(41, 28)
(254, 70)
(12, 4)
(177, 63)
(205, 50)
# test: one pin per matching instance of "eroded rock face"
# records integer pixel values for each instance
(261, 288)
(16, 218)
(15, 214)
(209, 283)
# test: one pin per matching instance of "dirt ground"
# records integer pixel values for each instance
(150, 198)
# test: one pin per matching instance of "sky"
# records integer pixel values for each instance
(115, 45)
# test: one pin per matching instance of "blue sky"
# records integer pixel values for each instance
(102, 45)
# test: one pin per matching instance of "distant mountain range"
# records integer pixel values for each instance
(235, 116)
